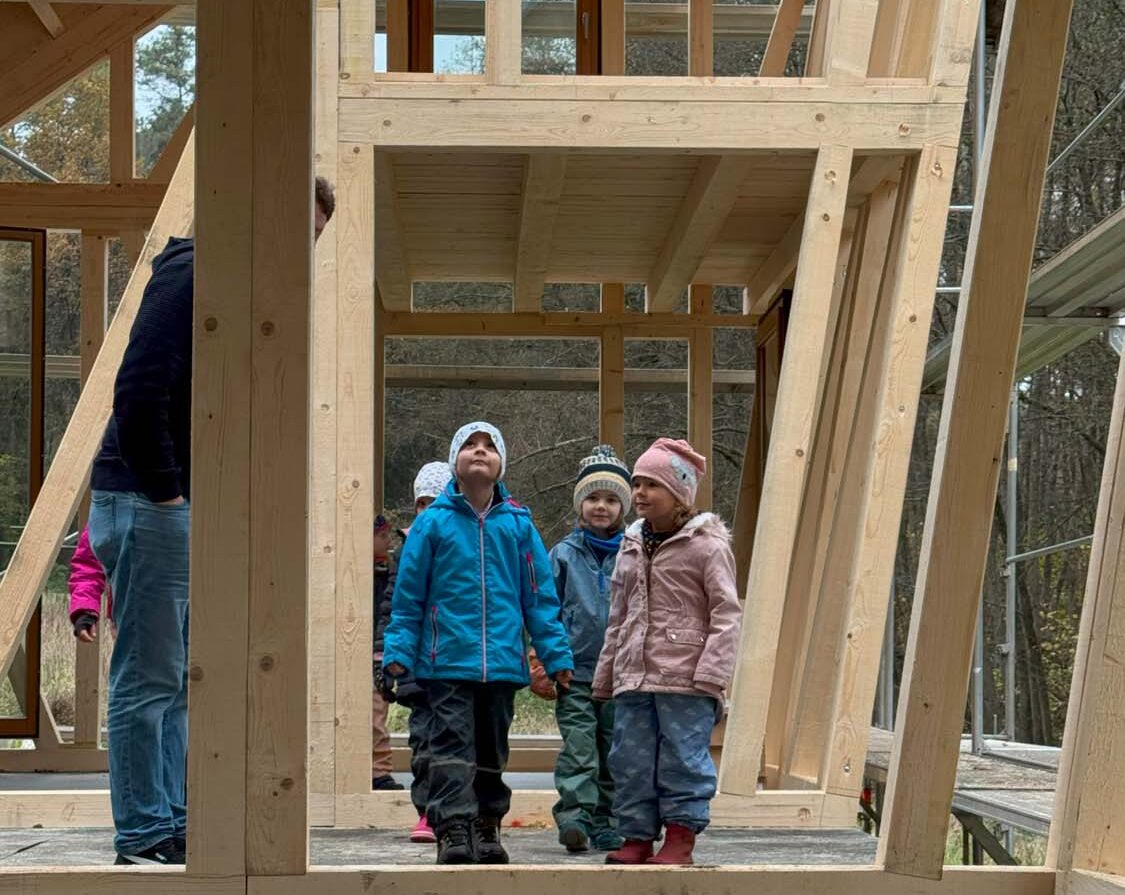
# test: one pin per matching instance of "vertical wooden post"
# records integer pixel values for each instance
(963, 488)
(786, 470)
(122, 124)
(250, 437)
(828, 562)
(398, 35)
(613, 37)
(92, 321)
(701, 38)
(611, 375)
(700, 394)
(322, 444)
(220, 432)
(355, 463)
(503, 50)
(357, 39)
(813, 527)
(277, 709)
(1088, 814)
(847, 45)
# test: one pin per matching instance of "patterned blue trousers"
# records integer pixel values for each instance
(661, 762)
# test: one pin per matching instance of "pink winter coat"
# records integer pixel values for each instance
(87, 579)
(674, 621)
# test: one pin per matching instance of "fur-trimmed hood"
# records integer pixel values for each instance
(703, 523)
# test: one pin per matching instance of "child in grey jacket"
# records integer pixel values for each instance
(583, 568)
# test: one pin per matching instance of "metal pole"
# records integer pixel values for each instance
(979, 120)
(1010, 568)
(1087, 130)
(1053, 548)
(31, 168)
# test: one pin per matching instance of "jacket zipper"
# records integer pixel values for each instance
(531, 574)
(483, 599)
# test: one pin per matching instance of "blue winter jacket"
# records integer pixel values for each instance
(583, 585)
(466, 588)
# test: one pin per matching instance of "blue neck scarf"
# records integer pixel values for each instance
(602, 547)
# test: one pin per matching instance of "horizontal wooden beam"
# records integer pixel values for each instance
(595, 880)
(113, 880)
(553, 324)
(556, 379)
(80, 206)
(721, 126)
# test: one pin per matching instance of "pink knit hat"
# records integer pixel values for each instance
(675, 464)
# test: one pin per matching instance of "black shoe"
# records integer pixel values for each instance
(486, 838)
(386, 782)
(455, 845)
(574, 837)
(168, 851)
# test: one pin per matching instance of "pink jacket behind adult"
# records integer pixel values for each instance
(87, 578)
(674, 621)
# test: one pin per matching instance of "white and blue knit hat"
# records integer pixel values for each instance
(466, 432)
(431, 480)
(603, 470)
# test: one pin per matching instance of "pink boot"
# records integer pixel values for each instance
(422, 832)
(634, 851)
(678, 844)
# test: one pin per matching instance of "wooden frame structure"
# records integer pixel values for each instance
(835, 184)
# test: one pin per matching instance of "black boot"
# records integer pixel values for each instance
(455, 844)
(486, 839)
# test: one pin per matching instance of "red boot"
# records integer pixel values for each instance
(678, 844)
(634, 851)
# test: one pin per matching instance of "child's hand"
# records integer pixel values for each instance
(395, 669)
(541, 685)
(563, 678)
(86, 627)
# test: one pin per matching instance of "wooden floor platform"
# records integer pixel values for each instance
(94, 846)
(1012, 783)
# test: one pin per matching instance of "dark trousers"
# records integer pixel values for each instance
(419, 741)
(468, 730)
(582, 774)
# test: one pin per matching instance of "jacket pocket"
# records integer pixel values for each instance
(687, 636)
(433, 635)
(531, 573)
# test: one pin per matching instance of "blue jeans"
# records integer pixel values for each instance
(661, 762)
(144, 548)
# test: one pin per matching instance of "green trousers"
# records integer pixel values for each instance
(582, 770)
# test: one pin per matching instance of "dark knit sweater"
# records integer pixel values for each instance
(147, 443)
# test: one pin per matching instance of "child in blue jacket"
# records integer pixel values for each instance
(583, 565)
(472, 577)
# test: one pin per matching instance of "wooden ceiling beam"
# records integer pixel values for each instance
(34, 72)
(543, 178)
(392, 270)
(47, 16)
(705, 208)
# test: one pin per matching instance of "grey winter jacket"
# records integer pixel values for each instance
(584, 588)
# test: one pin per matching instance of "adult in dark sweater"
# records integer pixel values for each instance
(139, 529)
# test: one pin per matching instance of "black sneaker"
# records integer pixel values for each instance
(486, 839)
(386, 782)
(455, 845)
(169, 851)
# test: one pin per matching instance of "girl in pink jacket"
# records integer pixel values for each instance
(86, 584)
(669, 653)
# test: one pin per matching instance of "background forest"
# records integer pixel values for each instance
(1064, 406)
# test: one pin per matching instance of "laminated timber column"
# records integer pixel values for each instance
(92, 320)
(1089, 811)
(322, 444)
(248, 708)
(355, 463)
(808, 339)
(611, 373)
(963, 489)
(701, 398)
